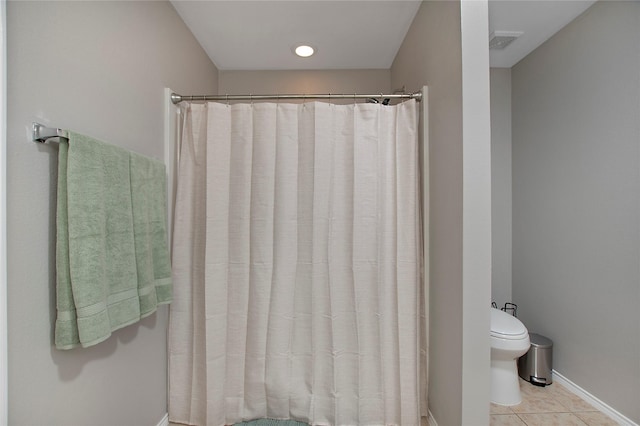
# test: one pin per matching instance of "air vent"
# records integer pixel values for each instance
(498, 40)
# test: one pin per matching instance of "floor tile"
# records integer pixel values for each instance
(552, 405)
(551, 419)
(506, 420)
(570, 400)
(500, 409)
(539, 405)
(574, 403)
(596, 418)
(527, 389)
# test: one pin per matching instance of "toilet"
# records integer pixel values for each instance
(509, 341)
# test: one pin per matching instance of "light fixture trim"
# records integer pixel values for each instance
(304, 50)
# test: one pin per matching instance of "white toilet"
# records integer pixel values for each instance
(509, 341)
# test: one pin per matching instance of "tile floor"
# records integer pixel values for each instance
(551, 405)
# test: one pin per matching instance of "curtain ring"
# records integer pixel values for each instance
(227, 97)
(251, 98)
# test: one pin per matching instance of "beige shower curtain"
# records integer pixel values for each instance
(297, 266)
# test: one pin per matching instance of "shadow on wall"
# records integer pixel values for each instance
(70, 367)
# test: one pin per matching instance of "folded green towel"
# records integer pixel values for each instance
(272, 422)
(148, 197)
(111, 252)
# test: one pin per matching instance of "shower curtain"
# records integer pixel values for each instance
(297, 260)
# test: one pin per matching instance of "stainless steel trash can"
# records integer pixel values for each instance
(535, 366)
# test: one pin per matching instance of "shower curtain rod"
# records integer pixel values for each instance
(175, 98)
(41, 133)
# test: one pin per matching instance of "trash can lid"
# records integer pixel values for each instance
(540, 341)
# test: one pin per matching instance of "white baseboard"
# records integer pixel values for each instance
(432, 420)
(164, 421)
(597, 403)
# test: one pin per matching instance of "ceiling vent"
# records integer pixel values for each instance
(498, 40)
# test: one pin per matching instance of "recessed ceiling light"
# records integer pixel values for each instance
(304, 51)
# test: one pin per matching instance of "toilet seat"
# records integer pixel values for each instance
(505, 326)
(522, 336)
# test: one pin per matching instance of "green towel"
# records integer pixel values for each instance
(148, 197)
(272, 422)
(111, 253)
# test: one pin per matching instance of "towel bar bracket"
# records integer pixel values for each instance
(41, 133)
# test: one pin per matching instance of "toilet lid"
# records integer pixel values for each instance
(506, 326)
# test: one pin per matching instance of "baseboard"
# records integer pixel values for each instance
(597, 403)
(432, 420)
(164, 421)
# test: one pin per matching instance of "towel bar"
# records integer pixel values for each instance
(41, 133)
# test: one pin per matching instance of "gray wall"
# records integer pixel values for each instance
(437, 45)
(98, 68)
(304, 81)
(435, 31)
(501, 185)
(576, 200)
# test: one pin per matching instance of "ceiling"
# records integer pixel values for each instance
(538, 20)
(347, 34)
